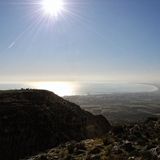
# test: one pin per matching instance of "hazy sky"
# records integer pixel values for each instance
(88, 40)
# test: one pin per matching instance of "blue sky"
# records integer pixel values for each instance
(93, 40)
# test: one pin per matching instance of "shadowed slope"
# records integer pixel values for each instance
(35, 120)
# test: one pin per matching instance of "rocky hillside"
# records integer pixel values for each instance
(136, 141)
(33, 121)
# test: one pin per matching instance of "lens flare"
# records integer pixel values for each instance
(52, 7)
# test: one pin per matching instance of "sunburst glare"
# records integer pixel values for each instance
(52, 7)
(46, 13)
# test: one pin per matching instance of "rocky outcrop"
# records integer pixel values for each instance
(32, 121)
(131, 143)
(120, 146)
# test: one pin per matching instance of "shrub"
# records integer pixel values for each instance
(142, 141)
(132, 137)
(107, 140)
(71, 148)
(146, 155)
(43, 157)
(138, 134)
(117, 129)
(109, 151)
(134, 153)
(150, 146)
(81, 145)
(69, 157)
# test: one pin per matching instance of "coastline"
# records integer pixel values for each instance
(96, 90)
(155, 89)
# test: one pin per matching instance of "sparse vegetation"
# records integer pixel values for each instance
(43, 157)
(113, 147)
(35, 114)
(71, 147)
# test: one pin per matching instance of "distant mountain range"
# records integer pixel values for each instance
(33, 121)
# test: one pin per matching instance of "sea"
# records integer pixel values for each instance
(82, 88)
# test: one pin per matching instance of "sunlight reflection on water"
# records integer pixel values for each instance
(82, 88)
(75, 88)
(60, 88)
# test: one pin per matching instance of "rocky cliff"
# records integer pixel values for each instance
(32, 121)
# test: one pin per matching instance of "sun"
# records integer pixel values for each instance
(52, 7)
